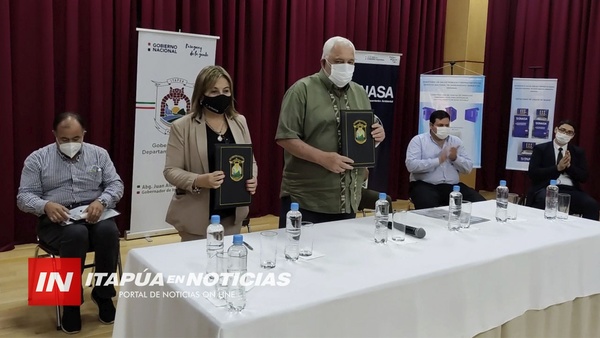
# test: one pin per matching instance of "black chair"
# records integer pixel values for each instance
(368, 199)
(246, 223)
(53, 253)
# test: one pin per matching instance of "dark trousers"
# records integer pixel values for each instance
(74, 241)
(581, 203)
(307, 215)
(425, 195)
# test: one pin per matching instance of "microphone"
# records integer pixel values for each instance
(410, 230)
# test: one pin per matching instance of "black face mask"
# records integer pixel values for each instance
(217, 104)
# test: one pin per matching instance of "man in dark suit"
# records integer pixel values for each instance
(564, 162)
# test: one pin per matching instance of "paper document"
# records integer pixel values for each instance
(79, 214)
(442, 213)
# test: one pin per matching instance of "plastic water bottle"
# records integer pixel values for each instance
(237, 264)
(502, 202)
(293, 224)
(382, 212)
(454, 206)
(214, 242)
(551, 200)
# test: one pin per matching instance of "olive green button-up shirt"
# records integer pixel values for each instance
(307, 113)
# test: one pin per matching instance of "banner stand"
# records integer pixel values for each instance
(168, 63)
(461, 96)
(378, 73)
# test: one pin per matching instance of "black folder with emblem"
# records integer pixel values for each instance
(235, 160)
(357, 142)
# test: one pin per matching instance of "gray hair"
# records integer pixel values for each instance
(336, 40)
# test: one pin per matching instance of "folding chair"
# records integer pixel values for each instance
(53, 253)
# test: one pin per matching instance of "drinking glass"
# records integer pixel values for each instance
(307, 239)
(465, 215)
(513, 202)
(221, 262)
(564, 203)
(399, 225)
(268, 249)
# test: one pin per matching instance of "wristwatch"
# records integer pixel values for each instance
(103, 202)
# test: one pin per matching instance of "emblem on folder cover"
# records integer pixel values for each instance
(360, 135)
(236, 166)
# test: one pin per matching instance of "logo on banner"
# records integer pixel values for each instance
(162, 47)
(379, 92)
(54, 281)
(236, 166)
(174, 102)
(360, 134)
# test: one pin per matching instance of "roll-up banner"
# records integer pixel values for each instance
(168, 63)
(378, 73)
(531, 119)
(462, 97)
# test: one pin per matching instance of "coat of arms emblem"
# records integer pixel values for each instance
(236, 166)
(360, 131)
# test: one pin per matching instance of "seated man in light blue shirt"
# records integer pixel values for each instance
(434, 159)
(64, 175)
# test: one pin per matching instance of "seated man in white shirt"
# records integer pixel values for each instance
(434, 159)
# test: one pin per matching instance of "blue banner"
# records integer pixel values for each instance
(378, 72)
(531, 116)
(462, 97)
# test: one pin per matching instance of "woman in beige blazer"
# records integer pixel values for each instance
(190, 162)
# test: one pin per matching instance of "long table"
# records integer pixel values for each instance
(449, 284)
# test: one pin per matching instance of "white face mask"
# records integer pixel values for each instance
(341, 73)
(563, 138)
(70, 149)
(442, 132)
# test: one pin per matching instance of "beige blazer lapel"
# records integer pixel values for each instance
(236, 131)
(201, 145)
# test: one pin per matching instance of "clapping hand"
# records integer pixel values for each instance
(568, 156)
(453, 153)
(443, 156)
(564, 162)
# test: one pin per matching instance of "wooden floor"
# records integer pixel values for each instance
(17, 319)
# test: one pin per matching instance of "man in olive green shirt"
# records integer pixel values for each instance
(315, 175)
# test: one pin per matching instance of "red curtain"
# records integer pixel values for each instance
(7, 133)
(545, 39)
(63, 56)
(267, 45)
(81, 56)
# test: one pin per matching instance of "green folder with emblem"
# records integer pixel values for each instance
(357, 142)
(235, 160)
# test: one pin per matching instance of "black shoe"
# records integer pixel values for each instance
(71, 319)
(106, 308)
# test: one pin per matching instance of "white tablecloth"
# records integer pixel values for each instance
(449, 284)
